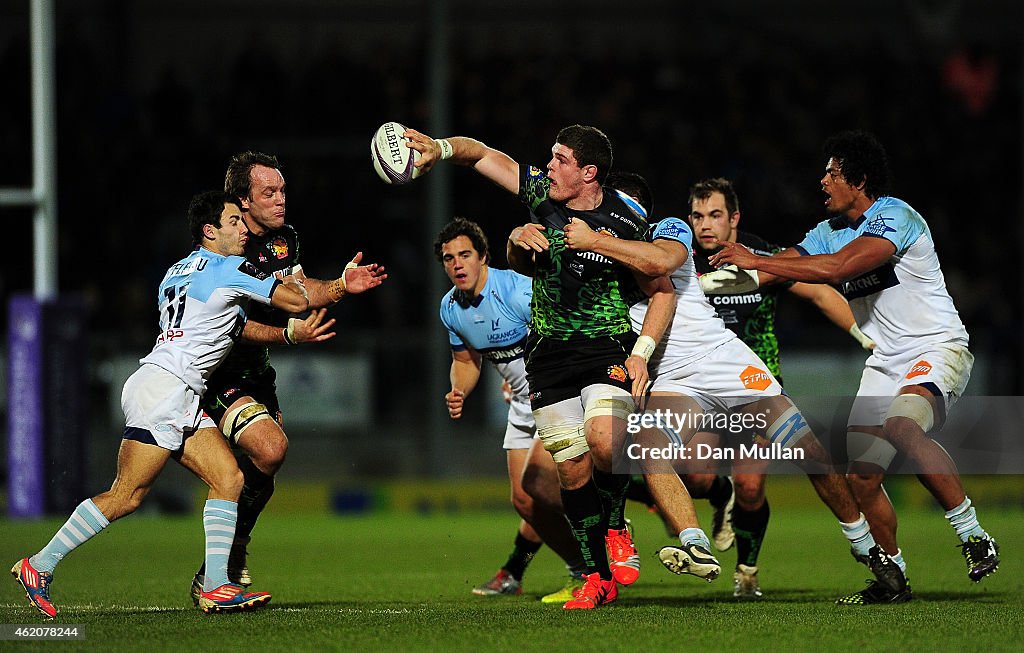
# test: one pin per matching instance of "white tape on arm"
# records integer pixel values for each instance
(446, 148)
(858, 335)
(644, 348)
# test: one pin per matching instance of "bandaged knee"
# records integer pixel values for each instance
(241, 418)
(609, 402)
(868, 448)
(915, 408)
(563, 441)
(788, 429)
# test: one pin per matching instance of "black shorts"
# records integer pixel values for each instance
(559, 369)
(224, 390)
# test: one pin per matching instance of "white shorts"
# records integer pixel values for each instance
(947, 367)
(521, 427)
(730, 375)
(156, 402)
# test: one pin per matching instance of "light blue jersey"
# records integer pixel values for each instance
(495, 323)
(902, 304)
(202, 302)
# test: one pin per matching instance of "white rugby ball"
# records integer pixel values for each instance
(392, 160)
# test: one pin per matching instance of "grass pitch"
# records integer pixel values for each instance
(395, 581)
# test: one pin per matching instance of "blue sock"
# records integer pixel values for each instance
(898, 559)
(859, 534)
(694, 536)
(219, 520)
(85, 522)
(964, 521)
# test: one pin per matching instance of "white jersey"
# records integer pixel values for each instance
(202, 302)
(902, 305)
(695, 329)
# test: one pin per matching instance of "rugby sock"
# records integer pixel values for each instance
(612, 490)
(85, 522)
(859, 534)
(256, 492)
(522, 554)
(898, 559)
(964, 521)
(586, 519)
(219, 519)
(576, 567)
(694, 536)
(637, 491)
(750, 527)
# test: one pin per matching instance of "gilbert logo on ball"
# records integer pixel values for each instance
(392, 160)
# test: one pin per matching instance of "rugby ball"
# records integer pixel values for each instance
(392, 160)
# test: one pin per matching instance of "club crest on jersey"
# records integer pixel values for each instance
(279, 247)
(920, 368)
(879, 226)
(617, 373)
(755, 379)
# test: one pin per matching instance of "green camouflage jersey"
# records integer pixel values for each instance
(579, 295)
(751, 315)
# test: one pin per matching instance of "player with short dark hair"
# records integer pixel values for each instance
(748, 310)
(242, 395)
(880, 252)
(584, 362)
(487, 314)
(202, 301)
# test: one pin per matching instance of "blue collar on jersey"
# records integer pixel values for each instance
(465, 302)
(839, 222)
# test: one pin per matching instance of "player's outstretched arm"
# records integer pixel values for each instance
(651, 259)
(290, 297)
(298, 331)
(489, 162)
(661, 306)
(354, 279)
(464, 375)
(833, 306)
(861, 255)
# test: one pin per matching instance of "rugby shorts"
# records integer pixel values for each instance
(159, 408)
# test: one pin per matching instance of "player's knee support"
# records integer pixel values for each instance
(788, 429)
(241, 418)
(609, 401)
(869, 448)
(563, 441)
(915, 408)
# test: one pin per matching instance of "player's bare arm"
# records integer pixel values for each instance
(651, 259)
(661, 306)
(311, 329)
(354, 279)
(493, 164)
(523, 243)
(464, 375)
(290, 297)
(859, 256)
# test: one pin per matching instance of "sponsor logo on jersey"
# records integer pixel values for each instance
(720, 300)
(617, 373)
(248, 268)
(920, 368)
(279, 247)
(672, 229)
(505, 354)
(879, 226)
(870, 283)
(754, 378)
(615, 215)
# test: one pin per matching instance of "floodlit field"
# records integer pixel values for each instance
(396, 581)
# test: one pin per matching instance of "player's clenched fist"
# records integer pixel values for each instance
(455, 399)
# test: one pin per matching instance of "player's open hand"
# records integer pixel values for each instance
(579, 235)
(360, 278)
(454, 401)
(311, 329)
(636, 367)
(734, 253)
(529, 237)
(506, 392)
(429, 149)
